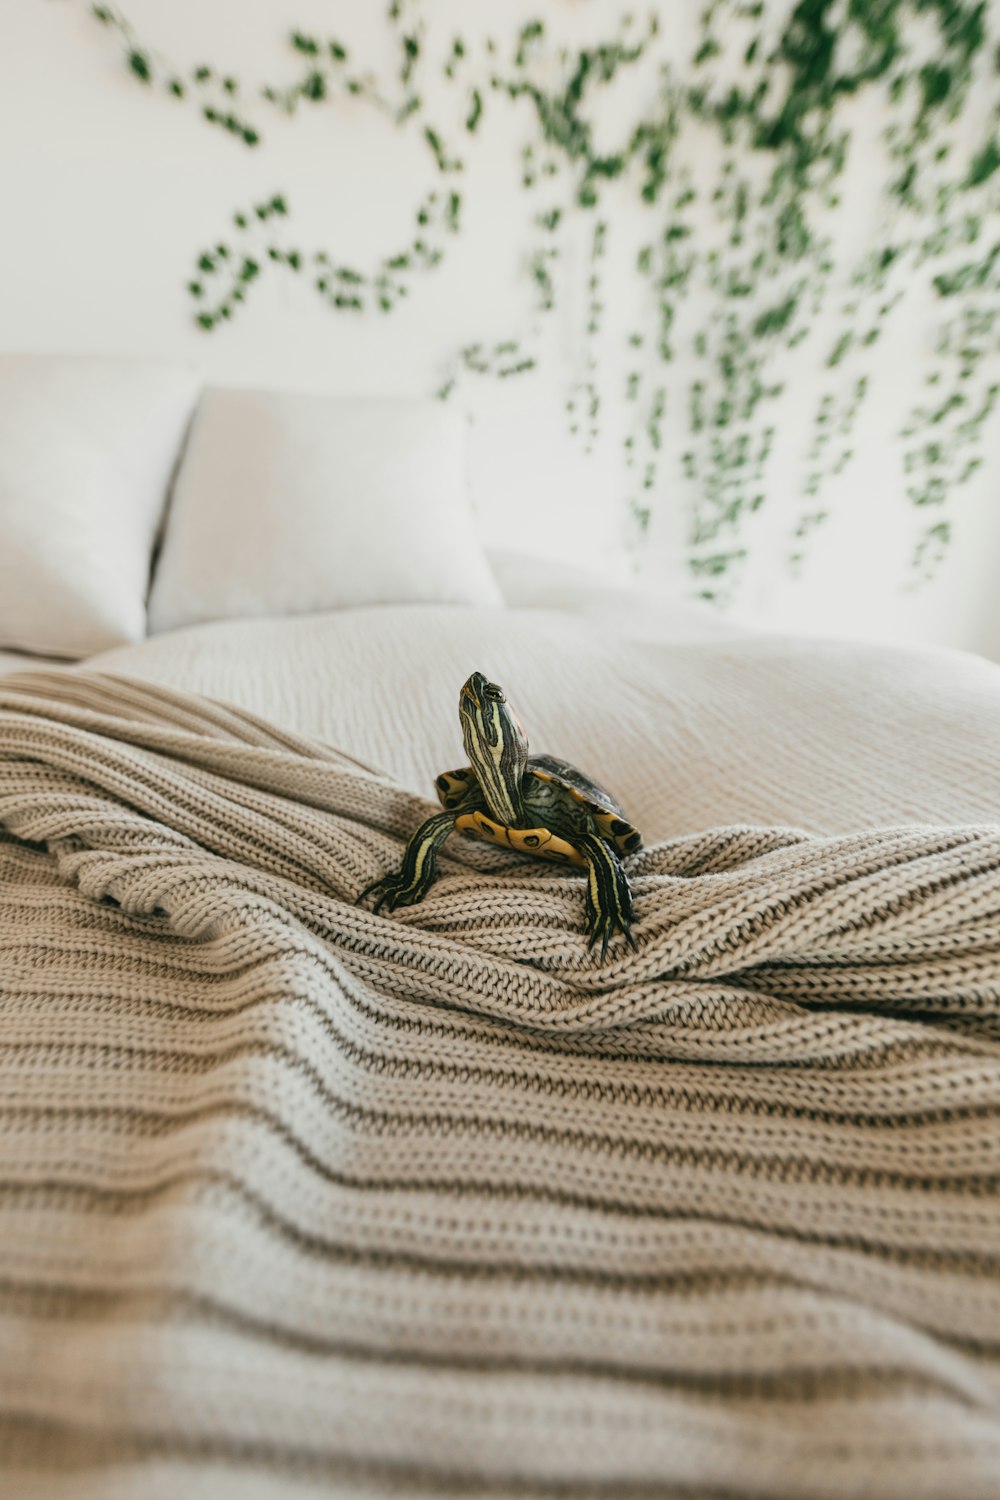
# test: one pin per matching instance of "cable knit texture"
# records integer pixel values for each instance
(300, 1201)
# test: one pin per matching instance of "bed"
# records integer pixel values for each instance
(299, 1199)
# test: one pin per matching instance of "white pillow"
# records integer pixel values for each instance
(87, 448)
(286, 504)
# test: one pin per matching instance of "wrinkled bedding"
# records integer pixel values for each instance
(688, 723)
(301, 1200)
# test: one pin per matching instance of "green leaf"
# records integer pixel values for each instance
(840, 349)
(139, 63)
(935, 84)
(984, 164)
(776, 319)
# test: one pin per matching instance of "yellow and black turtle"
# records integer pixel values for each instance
(535, 804)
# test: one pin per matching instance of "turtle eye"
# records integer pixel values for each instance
(494, 693)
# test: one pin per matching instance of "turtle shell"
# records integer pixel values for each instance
(608, 815)
(453, 788)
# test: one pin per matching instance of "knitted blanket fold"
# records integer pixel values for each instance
(299, 1200)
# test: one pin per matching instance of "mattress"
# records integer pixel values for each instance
(690, 723)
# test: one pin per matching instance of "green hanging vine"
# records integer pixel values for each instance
(738, 157)
(228, 271)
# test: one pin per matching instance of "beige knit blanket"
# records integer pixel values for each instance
(300, 1201)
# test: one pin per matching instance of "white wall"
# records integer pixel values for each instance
(110, 190)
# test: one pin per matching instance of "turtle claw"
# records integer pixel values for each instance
(391, 891)
(602, 925)
(603, 931)
(376, 885)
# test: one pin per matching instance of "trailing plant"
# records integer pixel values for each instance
(738, 158)
(226, 272)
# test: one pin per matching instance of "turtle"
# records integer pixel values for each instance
(535, 804)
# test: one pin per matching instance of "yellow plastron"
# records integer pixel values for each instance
(526, 840)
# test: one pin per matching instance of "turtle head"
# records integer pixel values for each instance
(496, 745)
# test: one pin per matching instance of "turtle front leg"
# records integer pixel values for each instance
(609, 896)
(411, 882)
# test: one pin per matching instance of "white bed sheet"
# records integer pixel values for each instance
(688, 730)
(690, 719)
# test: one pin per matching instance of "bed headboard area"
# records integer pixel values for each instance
(138, 501)
(713, 290)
